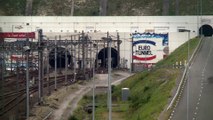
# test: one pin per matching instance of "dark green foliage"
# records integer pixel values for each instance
(72, 118)
(90, 8)
(115, 7)
(12, 7)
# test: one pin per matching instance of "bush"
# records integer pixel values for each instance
(72, 118)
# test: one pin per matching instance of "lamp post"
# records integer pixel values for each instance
(27, 51)
(66, 63)
(93, 90)
(2, 71)
(55, 54)
(188, 31)
(109, 40)
(93, 80)
(74, 60)
(48, 68)
(109, 79)
(132, 60)
(40, 64)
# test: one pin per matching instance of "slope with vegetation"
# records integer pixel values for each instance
(150, 91)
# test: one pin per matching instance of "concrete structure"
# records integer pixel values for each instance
(96, 27)
(125, 94)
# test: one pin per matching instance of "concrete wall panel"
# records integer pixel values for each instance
(98, 26)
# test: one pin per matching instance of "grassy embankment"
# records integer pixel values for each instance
(150, 91)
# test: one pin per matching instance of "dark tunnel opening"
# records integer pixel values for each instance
(206, 30)
(60, 57)
(103, 56)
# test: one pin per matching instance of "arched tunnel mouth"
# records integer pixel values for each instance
(103, 56)
(61, 57)
(206, 30)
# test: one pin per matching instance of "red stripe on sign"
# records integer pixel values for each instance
(144, 58)
(17, 35)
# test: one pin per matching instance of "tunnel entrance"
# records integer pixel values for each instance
(60, 57)
(206, 30)
(103, 56)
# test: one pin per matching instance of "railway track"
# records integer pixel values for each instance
(12, 99)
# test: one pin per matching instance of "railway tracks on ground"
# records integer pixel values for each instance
(14, 98)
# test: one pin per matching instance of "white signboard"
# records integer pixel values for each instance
(148, 48)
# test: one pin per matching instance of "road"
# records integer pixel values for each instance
(196, 102)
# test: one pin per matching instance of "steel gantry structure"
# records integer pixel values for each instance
(71, 56)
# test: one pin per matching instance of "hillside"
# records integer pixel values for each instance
(113, 7)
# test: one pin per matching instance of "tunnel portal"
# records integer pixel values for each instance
(61, 54)
(103, 55)
(206, 30)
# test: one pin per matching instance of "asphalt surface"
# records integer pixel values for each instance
(196, 102)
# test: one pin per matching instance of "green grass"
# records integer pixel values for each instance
(149, 91)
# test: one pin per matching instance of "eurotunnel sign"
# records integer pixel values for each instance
(143, 50)
(148, 47)
(17, 35)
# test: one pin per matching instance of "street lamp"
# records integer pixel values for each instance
(93, 80)
(66, 63)
(109, 41)
(188, 31)
(55, 54)
(48, 68)
(2, 72)
(74, 60)
(40, 66)
(27, 51)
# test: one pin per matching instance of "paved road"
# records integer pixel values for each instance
(197, 99)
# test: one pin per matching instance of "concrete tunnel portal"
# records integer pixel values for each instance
(103, 56)
(60, 57)
(206, 30)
